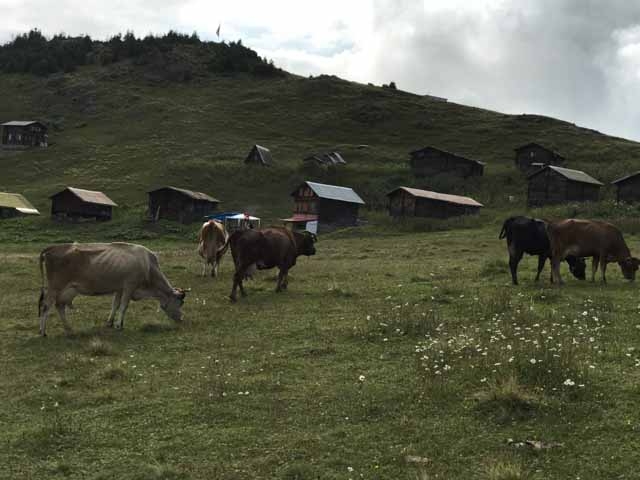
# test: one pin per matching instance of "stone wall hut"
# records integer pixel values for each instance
(21, 134)
(628, 188)
(533, 156)
(432, 161)
(328, 205)
(553, 185)
(15, 205)
(76, 203)
(260, 156)
(180, 204)
(412, 202)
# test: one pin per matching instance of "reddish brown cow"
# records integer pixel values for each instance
(267, 248)
(589, 238)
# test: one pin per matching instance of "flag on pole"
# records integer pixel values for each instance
(218, 31)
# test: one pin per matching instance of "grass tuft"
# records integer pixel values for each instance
(505, 399)
(505, 471)
(100, 348)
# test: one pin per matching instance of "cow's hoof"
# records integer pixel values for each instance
(233, 299)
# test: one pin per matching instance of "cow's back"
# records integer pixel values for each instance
(528, 234)
(98, 267)
(270, 247)
(585, 237)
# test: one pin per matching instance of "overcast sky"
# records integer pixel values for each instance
(578, 60)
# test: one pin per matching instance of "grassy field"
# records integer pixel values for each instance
(400, 350)
(391, 356)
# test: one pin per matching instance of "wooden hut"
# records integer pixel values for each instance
(553, 185)
(533, 156)
(260, 156)
(20, 134)
(76, 203)
(628, 188)
(324, 206)
(180, 204)
(326, 159)
(411, 202)
(432, 161)
(15, 205)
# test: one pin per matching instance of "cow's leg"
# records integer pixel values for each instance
(541, 261)
(514, 259)
(238, 276)
(204, 267)
(46, 304)
(124, 304)
(603, 267)
(282, 275)
(594, 267)
(62, 312)
(555, 269)
(115, 304)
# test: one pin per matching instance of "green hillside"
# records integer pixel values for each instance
(123, 129)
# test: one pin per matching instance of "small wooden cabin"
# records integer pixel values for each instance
(553, 185)
(20, 134)
(326, 159)
(412, 202)
(180, 204)
(628, 188)
(533, 156)
(15, 205)
(76, 203)
(432, 161)
(260, 156)
(328, 205)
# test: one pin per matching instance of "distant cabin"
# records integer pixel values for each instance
(430, 161)
(327, 159)
(533, 156)
(15, 205)
(77, 203)
(412, 202)
(260, 156)
(21, 134)
(324, 207)
(628, 188)
(180, 204)
(554, 185)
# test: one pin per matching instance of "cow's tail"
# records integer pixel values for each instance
(43, 290)
(506, 227)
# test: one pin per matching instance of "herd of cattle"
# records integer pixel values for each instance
(132, 272)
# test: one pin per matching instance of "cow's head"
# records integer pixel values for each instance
(306, 244)
(578, 268)
(173, 304)
(629, 267)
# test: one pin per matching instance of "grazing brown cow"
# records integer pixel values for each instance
(129, 271)
(589, 238)
(213, 243)
(267, 248)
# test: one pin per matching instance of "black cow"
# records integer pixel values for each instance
(529, 235)
(267, 248)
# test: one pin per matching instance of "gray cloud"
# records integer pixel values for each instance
(553, 57)
(578, 60)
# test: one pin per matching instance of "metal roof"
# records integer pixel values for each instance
(264, 154)
(189, 193)
(626, 177)
(301, 217)
(333, 192)
(447, 153)
(327, 158)
(573, 175)
(442, 197)
(17, 201)
(89, 196)
(20, 123)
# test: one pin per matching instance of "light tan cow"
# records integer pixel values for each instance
(213, 242)
(129, 271)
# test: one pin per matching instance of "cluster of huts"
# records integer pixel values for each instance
(319, 206)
